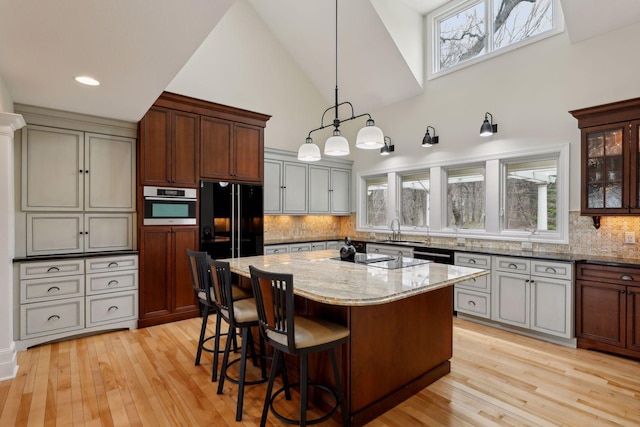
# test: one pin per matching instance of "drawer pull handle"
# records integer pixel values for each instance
(472, 303)
(550, 270)
(472, 261)
(113, 308)
(512, 265)
(622, 291)
(275, 251)
(112, 282)
(473, 280)
(53, 270)
(52, 318)
(626, 277)
(53, 289)
(112, 264)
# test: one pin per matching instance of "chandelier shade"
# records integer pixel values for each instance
(336, 145)
(370, 137)
(309, 152)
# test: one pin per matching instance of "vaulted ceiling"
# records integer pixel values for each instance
(136, 48)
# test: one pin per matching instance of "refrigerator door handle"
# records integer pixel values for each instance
(237, 211)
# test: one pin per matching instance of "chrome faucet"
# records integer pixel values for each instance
(395, 235)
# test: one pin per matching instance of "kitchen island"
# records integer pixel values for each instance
(400, 322)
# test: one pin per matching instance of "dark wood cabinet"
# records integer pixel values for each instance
(166, 291)
(169, 148)
(607, 312)
(610, 158)
(231, 151)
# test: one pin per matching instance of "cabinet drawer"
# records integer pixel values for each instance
(37, 290)
(558, 270)
(301, 247)
(100, 265)
(318, 246)
(472, 260)
(46, 318)
(276, 249)
(481, 284)
(98, 283)
(112, 307)
(608, 274)
(35, 270)
(472, 302)
(520, 265)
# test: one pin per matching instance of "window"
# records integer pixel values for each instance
(531, 195)
(376, 201)
(414, 200)
(465, 198)
(475, 28)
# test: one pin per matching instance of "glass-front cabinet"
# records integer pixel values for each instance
(610, 158)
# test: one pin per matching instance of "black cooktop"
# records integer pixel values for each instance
(385, 261)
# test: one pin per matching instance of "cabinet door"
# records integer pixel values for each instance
(604, 187)
(510, 294)
(185, 153)
(155, 147)
(155, 269)
(551, 306)
(183, 296)
(319, 189)
(54, 234)
(295, 188)
(633, 318)
(108, 232)
(110, 165)
(340, 191)
(634, 168)
(273, 186)
(248, 155)
(601, 312)
(215, 148)
(52, 169)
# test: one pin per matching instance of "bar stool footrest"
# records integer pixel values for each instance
(318, 420)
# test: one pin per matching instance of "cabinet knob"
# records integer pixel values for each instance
(53, 289)
(53, 318)
(112, 309)
(512, 265)
(112, 282)
(630, 293)
(112, 264)
(527, 281)
(622, 291)
(472, 303)
(53, 270)
(626, 277)
(472, 261)
(550, 270)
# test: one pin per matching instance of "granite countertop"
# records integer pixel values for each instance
(320, 278)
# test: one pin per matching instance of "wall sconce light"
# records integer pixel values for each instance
(488, 128)
(387, 149)
(428, 140)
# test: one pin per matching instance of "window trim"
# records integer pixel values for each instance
(443, 12)
(493, 179)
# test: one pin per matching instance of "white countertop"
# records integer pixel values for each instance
(317, 277)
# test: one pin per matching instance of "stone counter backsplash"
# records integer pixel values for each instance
(608, 240)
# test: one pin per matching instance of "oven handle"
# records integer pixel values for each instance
(432, 254)
(170, 199)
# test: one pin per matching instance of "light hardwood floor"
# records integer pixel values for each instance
(147, 378)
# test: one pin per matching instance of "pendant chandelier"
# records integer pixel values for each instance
(370, 137)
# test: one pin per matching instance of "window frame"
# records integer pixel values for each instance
(433, 46)
(495, 178)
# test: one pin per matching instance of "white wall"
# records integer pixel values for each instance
(529, 91)
(246, 67)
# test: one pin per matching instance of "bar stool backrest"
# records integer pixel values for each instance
(199, 268)
(273, 293)
(221, 280)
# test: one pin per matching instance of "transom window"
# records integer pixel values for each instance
(475, 28)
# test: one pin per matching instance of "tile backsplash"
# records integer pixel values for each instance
(608, 240)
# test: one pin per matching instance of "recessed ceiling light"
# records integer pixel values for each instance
(86, 80)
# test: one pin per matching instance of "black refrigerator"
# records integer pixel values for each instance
(231, 219)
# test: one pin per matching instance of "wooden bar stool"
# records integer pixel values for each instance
(201, 280)
(241, 315)
(296, 335)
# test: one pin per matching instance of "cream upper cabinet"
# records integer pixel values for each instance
(66, 170)
(272, 186)
(340, 191)
(52, 169)
(110, 168)
(329, 190)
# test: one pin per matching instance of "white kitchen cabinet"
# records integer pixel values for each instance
(57, 233)
(292, 187)
(473, 296)
(64, 298)
(318, 246)
(329, 190)
(299, 247)
(276, 249)
(285, 187)
(533, 294)
(334, 244)
(390, 250)
(68, 170)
